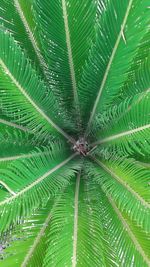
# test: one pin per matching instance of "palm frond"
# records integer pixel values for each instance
(124, 126)
(18, 75)
(114, 51)
(137, 87)
(134, 176)
(125, 225)
(65, 52)
(74, 133)
(75, 237)
(29, 186)
(15, 144)
(17, 18)
(27, 241)
(137, 208)
(138, 77)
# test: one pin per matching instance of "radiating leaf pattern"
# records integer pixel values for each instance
(74, 133)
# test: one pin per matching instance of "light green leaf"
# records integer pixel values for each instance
(22, 80)
(73, 21)
(29, 180)
(120, 32)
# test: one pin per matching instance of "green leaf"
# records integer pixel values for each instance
(138, 76)
(66, 33)
(17, 18)
(18, 87)
(120, 31)
(27, 242)
(126, 126)
(75, 231)
(130, 242)
(28, 181)
(128, 200)
(74, 133)
(16, 144)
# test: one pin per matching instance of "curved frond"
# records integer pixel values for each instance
(120, 30)
(16, 144)
(75, 233)
(18, 75)
(138, 79)
(124, 126)
(74, 133)
(66, 52)
(110, 204)
(28, 243)
(17, 18)
(126, 198)
(31, 183)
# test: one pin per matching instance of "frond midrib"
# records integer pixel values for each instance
(22, 156)
(70, 57)
(75, 232)
(12, 124)
(7, 188)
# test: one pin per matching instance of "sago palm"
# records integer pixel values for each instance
(75, 133)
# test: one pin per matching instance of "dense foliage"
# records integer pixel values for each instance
(74, 133)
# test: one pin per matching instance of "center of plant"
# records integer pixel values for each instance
(81, 146)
